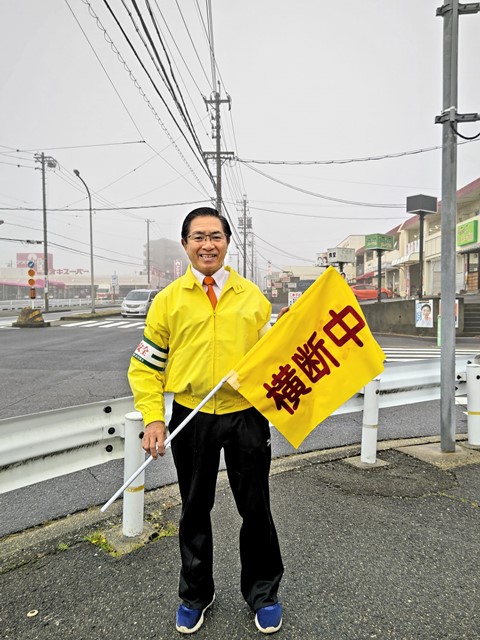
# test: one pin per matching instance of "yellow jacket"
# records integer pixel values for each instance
(188, 346)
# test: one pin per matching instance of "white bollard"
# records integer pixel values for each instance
(371, 399)
(473, 403)
(133, 496)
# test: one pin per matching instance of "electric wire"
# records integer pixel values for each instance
(86, 146)
(324, 197)
(101, 64)
(15, 164)
(139, 88)
(157, 62)
(457, 133)
(187, 67)
(146, 206)
(282, 252)
(191, 40)
(59, 235)
(188, 119)
(122, 30)
(334, 216)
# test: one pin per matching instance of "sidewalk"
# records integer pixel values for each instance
(386, 553)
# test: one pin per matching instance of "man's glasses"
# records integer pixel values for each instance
(216, 236)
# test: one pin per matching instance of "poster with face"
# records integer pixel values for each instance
(424, 313)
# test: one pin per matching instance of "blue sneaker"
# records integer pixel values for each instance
(190, 620)
(269, 619)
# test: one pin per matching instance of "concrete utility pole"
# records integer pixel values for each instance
(244, 226)
(51, 163)
(253, 256)
(148, 251)
(218, 155)
(245, 223)
(448, 119)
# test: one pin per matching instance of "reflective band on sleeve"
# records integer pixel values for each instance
(151, 355)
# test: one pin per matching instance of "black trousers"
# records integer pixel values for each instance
(245, 438)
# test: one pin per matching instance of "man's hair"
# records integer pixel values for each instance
(205, 211)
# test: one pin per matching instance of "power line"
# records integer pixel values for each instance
(191, 40)
(340, 161)
(335, 216)
(205, 167)
(145, 206)
(100, 62)
(324, 197)
(138, 87)
(84, 146)
(15, 164)
(282, 252)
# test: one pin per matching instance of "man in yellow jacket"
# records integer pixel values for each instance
(197, 330)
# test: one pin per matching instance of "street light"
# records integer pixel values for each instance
(92, 279)
(422, 206)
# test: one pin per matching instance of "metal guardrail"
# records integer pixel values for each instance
(67, 440)
(45, 445)
(53, 303)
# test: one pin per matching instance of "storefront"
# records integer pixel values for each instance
(469, 246)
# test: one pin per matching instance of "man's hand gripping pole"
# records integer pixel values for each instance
(143, 466)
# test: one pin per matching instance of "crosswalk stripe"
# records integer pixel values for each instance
(397, 354)
(122, 324)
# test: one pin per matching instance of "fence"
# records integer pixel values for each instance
(67, 440)
(53, 303)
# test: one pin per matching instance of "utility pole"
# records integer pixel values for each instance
(449, 118)
(253, 256)
(218, 155)
(148, 251)
(51, 163)
(244, 223)
(244, 227)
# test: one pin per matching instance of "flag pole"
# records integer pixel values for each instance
(145, 464)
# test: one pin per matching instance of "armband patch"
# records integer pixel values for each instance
(151, 355)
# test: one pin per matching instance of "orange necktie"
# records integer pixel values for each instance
(209, 282)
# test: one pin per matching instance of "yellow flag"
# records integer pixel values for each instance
(316, 357)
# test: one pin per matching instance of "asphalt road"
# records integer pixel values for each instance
(60, 366)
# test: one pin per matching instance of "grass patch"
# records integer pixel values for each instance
(163, 529)
(98, 539)
(166, 530)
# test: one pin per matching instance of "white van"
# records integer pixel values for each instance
(137, 302)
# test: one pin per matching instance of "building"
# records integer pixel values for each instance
(167, 261)
(400, 267)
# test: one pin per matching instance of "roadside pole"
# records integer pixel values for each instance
(448, 119)
(449, 218)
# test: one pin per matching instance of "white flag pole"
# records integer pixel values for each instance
(167, 442)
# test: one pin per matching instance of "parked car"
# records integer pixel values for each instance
(369, 292)
(137, 302)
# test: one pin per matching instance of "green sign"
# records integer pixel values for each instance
(379, 241)
(467, 233)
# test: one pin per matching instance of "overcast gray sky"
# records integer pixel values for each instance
(309, 81)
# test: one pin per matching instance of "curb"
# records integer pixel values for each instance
(59, 535)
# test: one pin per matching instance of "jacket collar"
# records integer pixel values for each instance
(234, 281)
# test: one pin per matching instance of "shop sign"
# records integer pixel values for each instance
(467, 233)
(379, 241)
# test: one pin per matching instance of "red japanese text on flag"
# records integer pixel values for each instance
(312, 361)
